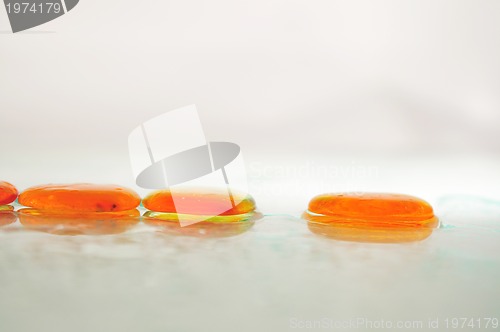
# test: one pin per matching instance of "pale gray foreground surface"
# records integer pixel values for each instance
(272, 277)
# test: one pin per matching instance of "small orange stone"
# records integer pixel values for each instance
(8, 193)
(202, 203)
(371, 208)
(80, 197)
(371, 217)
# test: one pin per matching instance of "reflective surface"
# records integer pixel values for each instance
(149, 278)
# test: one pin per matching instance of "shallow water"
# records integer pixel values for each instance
(273, 276)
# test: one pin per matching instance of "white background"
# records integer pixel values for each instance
(389, 84)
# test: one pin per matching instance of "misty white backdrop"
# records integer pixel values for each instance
(409, 88)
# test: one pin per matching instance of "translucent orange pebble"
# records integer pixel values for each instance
(82, 223)
(202, 203)
(8, 193)
(80, 197)
(371, 217)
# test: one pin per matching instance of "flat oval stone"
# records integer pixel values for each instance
(80, 197)
(372, 208)
(368, 217)
(200, 203)
(8, 193)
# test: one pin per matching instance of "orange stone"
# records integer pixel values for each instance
(80, 197)
(79, 223)
(368, 208)
(8, 193)
(371, 217)
(202, 203)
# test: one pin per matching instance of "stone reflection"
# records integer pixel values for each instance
(375, 233)
(371, 217)
(7, 217)
(218, 226)
(86, 223)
